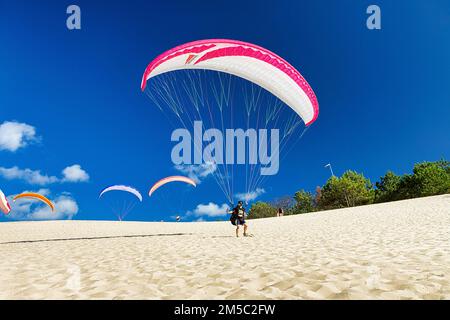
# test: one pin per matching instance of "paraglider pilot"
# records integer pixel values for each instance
(238, 216)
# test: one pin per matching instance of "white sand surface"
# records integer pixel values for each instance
(397, 250)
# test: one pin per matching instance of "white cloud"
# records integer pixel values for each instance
(28, 209)
(44, 191)
(210, 210)
(250, 196)
(34, 177)
(75, 174)
(15, 135)
(197, 172)
(65, 208)
(21, 208)
(30, 176)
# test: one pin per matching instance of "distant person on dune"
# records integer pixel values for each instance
(280, 212)
(238, 216)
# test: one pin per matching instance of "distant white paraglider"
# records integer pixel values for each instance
(122, 207)
(122, 188)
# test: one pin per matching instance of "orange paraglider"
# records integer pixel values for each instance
(36, 196)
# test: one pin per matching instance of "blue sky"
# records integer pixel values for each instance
(384, 95)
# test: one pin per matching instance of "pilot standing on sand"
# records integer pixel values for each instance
(238, 216)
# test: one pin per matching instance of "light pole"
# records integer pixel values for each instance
(331, 169)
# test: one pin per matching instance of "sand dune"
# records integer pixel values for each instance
(398, 250)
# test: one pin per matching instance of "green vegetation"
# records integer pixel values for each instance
(304, 202)
(353, 189)
(349, 190)
(262, 210)
(387, 187)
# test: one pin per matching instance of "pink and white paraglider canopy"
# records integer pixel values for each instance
(166, 180)
(4, 205)
(244, 60)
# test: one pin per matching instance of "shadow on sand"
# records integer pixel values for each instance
(100, 238)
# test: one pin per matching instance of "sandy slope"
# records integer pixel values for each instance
(397, 250)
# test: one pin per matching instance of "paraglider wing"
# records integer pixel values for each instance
(36, 196)
(122, 188)
(128, 204)
(171, 179)
(4, 205)
(244, 60)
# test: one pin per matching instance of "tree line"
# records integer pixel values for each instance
(354, 189)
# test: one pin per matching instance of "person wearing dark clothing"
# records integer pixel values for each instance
(280, 212)
(238, 216)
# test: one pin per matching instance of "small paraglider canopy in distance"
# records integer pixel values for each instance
(37, 196)
(4, 205)
(122, 188)
(122, 208)
(166, 180)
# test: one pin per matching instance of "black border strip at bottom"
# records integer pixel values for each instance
(230, 309)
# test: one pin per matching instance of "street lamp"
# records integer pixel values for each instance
(331, 169)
